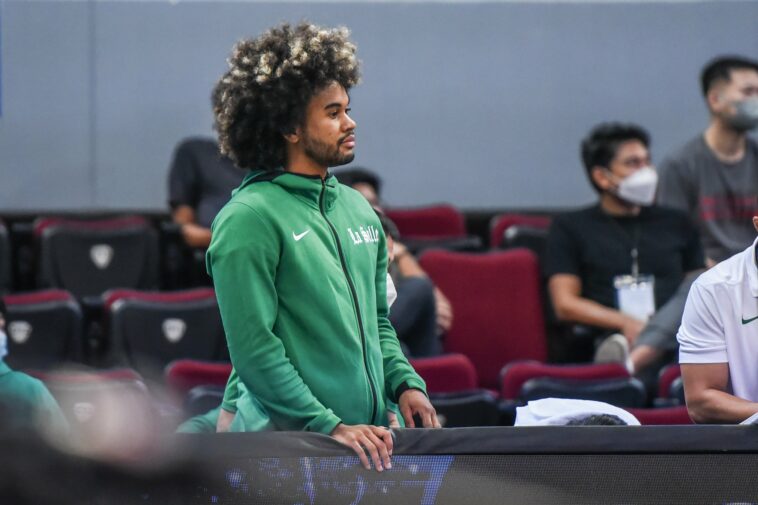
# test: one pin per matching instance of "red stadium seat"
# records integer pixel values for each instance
(515, 375)
(184, 374)
(621, 392)
(668, 415)
(88, 398)
(666, 378)
(44, 328)
(150, 329)
(89, 257)
(449, 373)
(496, 301)
(435, 222)
(499, 224)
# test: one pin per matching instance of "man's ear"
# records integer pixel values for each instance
(600, 177)
(292, 136)
(715, 99)
(755, 222)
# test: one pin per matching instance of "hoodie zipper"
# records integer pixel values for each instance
(355, 301)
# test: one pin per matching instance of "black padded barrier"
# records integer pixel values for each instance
(499, 465)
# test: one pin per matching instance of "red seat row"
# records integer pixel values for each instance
(454, 388)
(142, 330)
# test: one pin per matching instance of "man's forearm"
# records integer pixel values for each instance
(408, 266)
(714, 406)
(584, 311)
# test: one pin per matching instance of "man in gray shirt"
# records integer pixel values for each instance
(714, 176)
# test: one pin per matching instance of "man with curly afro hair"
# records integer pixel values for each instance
(299, 261)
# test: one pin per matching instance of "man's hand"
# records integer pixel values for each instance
(392, 417)
(362, 438)
(444, 311)
(398, 249)
(632, 329)
(413, 401)
(224, 420)
(195, 235)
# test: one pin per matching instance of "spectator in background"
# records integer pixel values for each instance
(25, 402)
(422, 313)
(714, 177)
(611, 265)
(200, 182)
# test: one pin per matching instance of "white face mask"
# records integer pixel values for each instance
(639, 188)
(391, 291)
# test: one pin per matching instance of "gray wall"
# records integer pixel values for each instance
(478, 104)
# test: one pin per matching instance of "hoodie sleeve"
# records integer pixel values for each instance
(231, 393)
(242, 260)
(399, 375)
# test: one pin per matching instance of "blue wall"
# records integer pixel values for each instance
(479, 104)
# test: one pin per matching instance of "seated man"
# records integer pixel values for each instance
(718, 341)
(422, 313)
(200, 182)
(714, 177)
(611, 265)
(25, 402)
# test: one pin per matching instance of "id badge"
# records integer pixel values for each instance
(635, 296)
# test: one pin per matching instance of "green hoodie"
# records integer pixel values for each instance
(299, 265)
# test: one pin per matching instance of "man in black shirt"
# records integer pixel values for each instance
(611, 266)
(200, 182)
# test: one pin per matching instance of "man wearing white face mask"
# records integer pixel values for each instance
(613, 265)
(714, 177)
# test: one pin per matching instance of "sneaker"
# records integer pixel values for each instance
(614, 349)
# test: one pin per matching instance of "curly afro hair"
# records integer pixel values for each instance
(269, 83)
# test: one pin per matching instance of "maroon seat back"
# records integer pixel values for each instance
(666, 378)
(90, 257)
(448, 373)
(184, 374)
(667, 415)
(439, 221)
(497, 310)
(148, 330)
(500, 223)
(515, 375)
(96, 399)
(45, 328)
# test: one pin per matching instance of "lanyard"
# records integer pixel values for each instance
(635, 237)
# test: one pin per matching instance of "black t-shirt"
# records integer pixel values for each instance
(202, 179)
(596, 248)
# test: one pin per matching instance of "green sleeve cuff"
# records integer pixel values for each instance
(410, 383)
(229, 406)
(324, 423)
(231, 393)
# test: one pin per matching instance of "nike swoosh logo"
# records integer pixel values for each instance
(298, 237)
(745, 321)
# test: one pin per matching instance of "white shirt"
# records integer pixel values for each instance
(720, 321)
